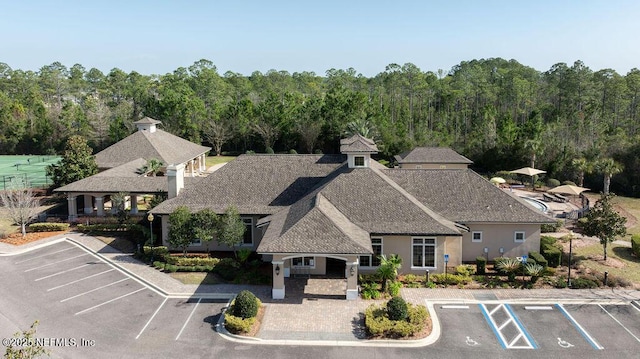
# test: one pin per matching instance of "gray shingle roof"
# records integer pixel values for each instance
(161, 145)
(256, 184)
(358, 143)
(123, 178)
(432, 155)
(465, 197)
(147, 121)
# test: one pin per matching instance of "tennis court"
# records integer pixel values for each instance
(19, 171)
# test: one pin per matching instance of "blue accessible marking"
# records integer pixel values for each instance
(522, 329)
(487, 317)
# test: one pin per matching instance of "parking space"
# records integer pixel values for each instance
(80, 288)
(550, 328)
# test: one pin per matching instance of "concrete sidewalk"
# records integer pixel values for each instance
(312, 321)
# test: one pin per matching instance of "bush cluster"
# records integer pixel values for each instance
(481, 265)
(378, 322)
(551, 251)
(237, 325)
(397, 309)
(246, 305)
(48, 227)
(464, 270)
(635, 245)
(394, 288)
(370, 290)
(538, 258)
(449, 279)
(551, 227)
(192, 261)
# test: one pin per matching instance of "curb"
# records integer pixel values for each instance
(22, 250)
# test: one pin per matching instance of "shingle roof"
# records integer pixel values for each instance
(147, 121)
(432, 155)
(123, 178)
(161, 145)
(358, 143)
(465, 197)
(256, 184)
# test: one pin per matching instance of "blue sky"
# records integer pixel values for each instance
(156, 37)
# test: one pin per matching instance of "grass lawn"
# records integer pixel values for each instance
(214, 160)
(196, 278)
(624, 265)
(632, 207)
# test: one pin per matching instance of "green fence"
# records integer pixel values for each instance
(29, 171)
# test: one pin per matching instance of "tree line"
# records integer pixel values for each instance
(499, 113)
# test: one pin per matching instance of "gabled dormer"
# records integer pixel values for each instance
(147, 124)
(358, 150)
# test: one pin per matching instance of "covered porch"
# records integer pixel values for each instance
(315, 276)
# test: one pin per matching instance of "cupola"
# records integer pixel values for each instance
(147, 124)
(358, 150)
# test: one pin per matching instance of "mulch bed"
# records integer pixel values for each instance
(17, 239)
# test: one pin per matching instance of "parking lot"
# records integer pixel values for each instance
(549, 328)
(75, 294)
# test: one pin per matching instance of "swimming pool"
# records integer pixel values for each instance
(536, 203)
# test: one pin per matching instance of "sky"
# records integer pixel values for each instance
(157, 37)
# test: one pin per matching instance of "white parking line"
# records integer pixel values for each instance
(111, 300)
(454, 307)
(187, 321)
(579, 327)
(60, 261)
(44, 255)
(64, 271)
(94, 289)
(617, 321)
(538, 307)
(79, 280)
(153, 316)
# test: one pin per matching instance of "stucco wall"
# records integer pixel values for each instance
(402, 245)
(495, 236)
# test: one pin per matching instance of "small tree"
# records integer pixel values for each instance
(609, 168)
(180, 228)
(231, 229)
(604, 222)
(118, 202)
(388, 269)
(32, 349)
(22, 206)
(217, 133)
(583, 167)
(205, 225)
(77, 163)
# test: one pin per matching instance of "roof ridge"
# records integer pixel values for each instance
(439, 218)
(324, 206)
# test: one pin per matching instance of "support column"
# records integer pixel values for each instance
(351, 273)
(72, 207)
(134, 204)
(88, 204)
(203, 163)
(192, 164)
(100, 206)
(278, 291)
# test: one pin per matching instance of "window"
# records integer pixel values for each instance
(358, 161)
(247, 239)
(372, 260)
(476, 236)
(418, 167)
(195, 242)
(309, 262)
(518, 236)
(423, 252)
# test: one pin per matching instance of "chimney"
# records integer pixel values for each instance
(175, 179)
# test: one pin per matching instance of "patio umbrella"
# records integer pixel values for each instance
(497, 180)
(528, 171)
(568, 189)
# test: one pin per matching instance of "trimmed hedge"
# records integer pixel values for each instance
(449, 279)
(48, 227)
(237, 325)
(133, 230)
(538, 258)
(635, 245)
(551, 251)
(192, 261)
(246, 305)
(397, 309)
(481, 265)
(378, 323)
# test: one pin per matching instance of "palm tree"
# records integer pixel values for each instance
(362, 127)
(583, 167)
(609, 168)
(533, 147)
(152, 167)
(388, 269)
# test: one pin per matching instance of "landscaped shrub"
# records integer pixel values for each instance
(552, 182)
(378, 323)
(538, 258)
(159, 265)
(481, 265)
(293, 152)
(227, 269)
(635, 245)
(553, 256)
(160, 252)
(464, 270)
(369, 290)
(269, 150)
(510, 267)
(551, 227)
(192, 261)
(534, 270)
(449, 279)
(246, 305)
(397, 309)
(48, 227)
(570, 183)
(583, 283)
(237, 325)
(394, 288)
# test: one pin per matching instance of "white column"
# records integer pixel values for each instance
(193, 165)
(73, 209)
(278, 290)
(100, 206)
(203, 163)
(134, 204)
(351, 273)
(88, 204)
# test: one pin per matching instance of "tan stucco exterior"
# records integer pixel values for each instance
(496, 236)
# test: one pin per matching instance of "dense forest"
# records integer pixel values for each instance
(499, 113)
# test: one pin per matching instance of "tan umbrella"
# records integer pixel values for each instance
(568, 189)
(528, 171)
(497, 180)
